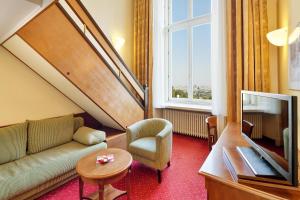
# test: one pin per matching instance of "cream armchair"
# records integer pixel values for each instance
(150, 142)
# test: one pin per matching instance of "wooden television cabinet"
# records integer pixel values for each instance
(221, 184)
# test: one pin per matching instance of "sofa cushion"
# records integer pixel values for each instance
(144, 147)
(13, 141)
(89, 136)
(35, 169)
(47, 133)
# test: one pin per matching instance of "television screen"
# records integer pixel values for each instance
(271, 119)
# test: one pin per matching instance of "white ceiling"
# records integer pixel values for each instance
(15, 13)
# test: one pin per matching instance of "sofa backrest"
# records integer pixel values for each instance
(13, 140)
(36, 135)
(47, 133)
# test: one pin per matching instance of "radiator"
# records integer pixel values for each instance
(187, 122)
(255, 119)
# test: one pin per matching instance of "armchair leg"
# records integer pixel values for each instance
(159, 176)
(169, 163)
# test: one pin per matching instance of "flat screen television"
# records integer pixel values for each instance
(273, 139)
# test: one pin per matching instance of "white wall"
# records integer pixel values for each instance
(115, 18)
(15, 13)
(289, 16)
(25, 95)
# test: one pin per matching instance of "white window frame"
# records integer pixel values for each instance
(188, 24)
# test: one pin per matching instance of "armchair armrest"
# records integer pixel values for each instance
(132, 132)
(164, 133)
(164, 145)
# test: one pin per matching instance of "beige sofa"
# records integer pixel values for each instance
(37, 156)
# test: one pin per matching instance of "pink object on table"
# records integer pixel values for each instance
(105, 159)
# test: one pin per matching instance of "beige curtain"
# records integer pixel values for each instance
(248, 51)
(143, 61)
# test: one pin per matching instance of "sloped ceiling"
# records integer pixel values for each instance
(14, 13)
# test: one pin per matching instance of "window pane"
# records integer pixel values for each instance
(201, 7)
(201, 62)
(179, 64)
(179, 10)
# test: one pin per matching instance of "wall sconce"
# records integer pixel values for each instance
(118, 42)
(278, 37)
(295, 34)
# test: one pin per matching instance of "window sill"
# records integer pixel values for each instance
(188, 107)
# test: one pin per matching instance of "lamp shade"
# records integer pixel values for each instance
(278, 37)
(294, 35)
(118, 42)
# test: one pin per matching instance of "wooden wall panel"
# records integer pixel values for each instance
(53, 36)
(92, 26)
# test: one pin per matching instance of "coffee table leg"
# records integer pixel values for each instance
(128, 183)
(80, 188)
(101, 192)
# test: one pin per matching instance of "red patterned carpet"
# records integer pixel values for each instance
(179, 182)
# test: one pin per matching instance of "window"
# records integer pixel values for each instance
(189, 51)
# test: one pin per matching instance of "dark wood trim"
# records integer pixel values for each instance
(96, 51)
(159, 176)
(44, 9)
(108, 42)
(90, 121)
(80, 188)
(72, 83)
(146, 102)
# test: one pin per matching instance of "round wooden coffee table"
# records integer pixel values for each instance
(104, 175)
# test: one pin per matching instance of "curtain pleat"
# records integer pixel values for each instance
(248, 51)
(143, 62)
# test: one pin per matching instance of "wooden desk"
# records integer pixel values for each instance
(220, 184)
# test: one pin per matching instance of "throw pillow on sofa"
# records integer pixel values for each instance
(89, 136)
(13, 141)
(47, 133)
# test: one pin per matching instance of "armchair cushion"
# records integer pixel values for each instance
(144, 147)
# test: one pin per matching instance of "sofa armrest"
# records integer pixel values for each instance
(78, 122)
